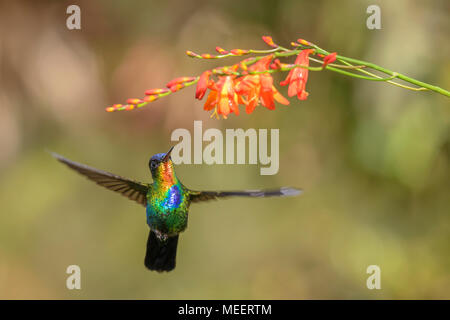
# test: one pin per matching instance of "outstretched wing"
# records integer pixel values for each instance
(197, 196)
(131, 189)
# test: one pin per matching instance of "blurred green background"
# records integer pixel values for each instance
(372, 158)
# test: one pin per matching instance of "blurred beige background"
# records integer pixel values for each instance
(372, 158)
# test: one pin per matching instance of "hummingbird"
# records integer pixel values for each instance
(166, 201)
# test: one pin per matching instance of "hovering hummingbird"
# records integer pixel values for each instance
(167, 203)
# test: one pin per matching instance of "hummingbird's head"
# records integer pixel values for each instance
(161, 166)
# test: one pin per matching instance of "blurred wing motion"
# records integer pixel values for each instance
(131, 189)
(197, 196)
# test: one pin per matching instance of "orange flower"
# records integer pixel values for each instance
(221, 50)
(268, 40)
(238, 52)
(156, 91)
(259, 88)
(298, 77)
(180, 80)
(202, 85)
(329, 59)
(222, 97)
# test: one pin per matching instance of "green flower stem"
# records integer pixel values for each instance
(387, 71)
(394, 75)
(377, 76)
(399, 76)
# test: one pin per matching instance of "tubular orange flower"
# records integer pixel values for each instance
(329, 59)
(156, 91)
(259, 88)
(221, 50)
(134, 101)
(208, 56)
(202, 85)
(303, 42)
(192, 54)
(114, 107)
(178, 81)
(269, 41)
(150, 98)
(222, 97)
(238, 52)
(276, 64)
(176, 87)
(298, 77)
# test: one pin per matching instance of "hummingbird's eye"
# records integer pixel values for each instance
(153, 164)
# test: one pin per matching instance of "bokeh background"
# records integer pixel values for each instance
(372, 158)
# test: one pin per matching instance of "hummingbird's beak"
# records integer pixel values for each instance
(167, 156)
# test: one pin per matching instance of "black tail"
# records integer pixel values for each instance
(161, 255)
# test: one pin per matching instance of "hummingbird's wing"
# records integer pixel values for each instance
(131, 189)
(197, 196)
